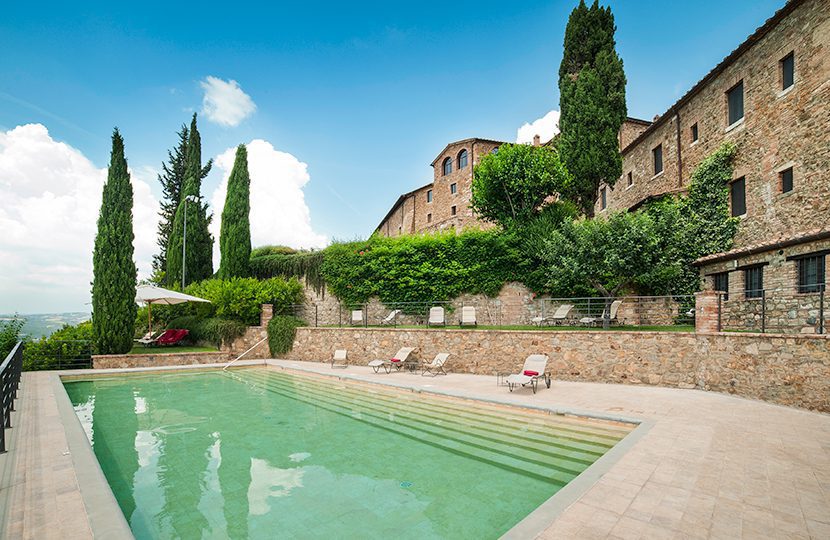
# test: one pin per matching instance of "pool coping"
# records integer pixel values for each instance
(106, 519)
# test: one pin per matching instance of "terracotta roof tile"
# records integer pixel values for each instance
(781, 242)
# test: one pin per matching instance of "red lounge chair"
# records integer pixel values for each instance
(172, 336)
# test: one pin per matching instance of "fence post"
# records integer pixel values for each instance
(316, 316)
(707, 312)
(763, 311)
(821, 309)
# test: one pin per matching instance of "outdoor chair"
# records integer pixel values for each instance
(436, 367)
(148, 339)
(356, 317)
(401, 357)
(559, 316)
(612, 317)
(436, 317)
(339, 359)
(532, 371)
(468, 316)
(391, 318)
(172, 336)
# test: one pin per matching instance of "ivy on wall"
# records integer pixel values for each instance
(302, 265)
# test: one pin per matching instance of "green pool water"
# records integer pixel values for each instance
(260, 453)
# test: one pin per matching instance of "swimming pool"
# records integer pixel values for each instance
(263, 453)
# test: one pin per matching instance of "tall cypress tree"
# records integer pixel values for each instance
(114, 273)
(235, 232)
(172, 181)
(592, 103)
(199, 242)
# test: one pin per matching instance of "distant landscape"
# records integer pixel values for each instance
(39, 325)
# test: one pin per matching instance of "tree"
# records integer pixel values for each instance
(199, 242)
(592, 103)
(512, 186)
(114, 272)
(235, 233)
(606, 254)
(171, 180)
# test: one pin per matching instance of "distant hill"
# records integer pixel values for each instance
(43, 324)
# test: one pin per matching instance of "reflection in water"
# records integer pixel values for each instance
(268, 481)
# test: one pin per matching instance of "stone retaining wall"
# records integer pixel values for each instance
(115, 361)
(783, 369)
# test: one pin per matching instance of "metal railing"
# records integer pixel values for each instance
(783, 310)
(59, 354)
(627, 311)
(10, 371)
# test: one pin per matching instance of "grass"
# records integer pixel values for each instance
(141, 349)
(632, 328)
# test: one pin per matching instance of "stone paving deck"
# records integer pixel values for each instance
(710, 466)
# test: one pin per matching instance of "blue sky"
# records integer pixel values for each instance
(364, 94)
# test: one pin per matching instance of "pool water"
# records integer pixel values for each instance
(261, 453)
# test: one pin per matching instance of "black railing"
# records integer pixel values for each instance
(10, 371)
(59, 354)
(784, 310)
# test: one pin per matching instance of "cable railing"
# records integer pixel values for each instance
(10, 371)
(622, 311)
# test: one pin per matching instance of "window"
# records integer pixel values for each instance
(462, 159)
(630, 179)
(495, 150)
(737, 193)
(735, 103)
(453, 210)
(657, 154)
(429, 218)
(811, 273)
(754, 282)
(787, 71)
(786, 179)
(429, 195)
(603, 201)
(694, 132)
(453, 188)
(447, 166)
(721, 283)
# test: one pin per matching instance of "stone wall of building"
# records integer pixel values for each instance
(789, 370)
(630, 130)
(780, 129)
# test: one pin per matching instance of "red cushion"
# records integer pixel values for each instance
(531, 373)
(394, 360)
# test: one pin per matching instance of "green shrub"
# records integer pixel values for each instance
(304, 265)
(212, 331)
(272, 250)
(281, 332)
(9, 335)
(68, 343)
(240, 298)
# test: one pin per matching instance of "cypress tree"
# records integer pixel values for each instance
(114, 272)
(199, 246)
(171, 180)
(235, 232)
(592, 103)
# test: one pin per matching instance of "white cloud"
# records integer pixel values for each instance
(224, 102)
(51, 198)
(279, 214)
(546, 127)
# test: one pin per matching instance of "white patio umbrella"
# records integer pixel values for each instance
(150, 294)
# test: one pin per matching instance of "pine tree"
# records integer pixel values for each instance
(114, 272)
(171, 180)
(235, 232)
(592, 103)
(199, 247)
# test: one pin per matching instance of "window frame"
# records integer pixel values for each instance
(429, 196)
(630, 178)
(782, 183)
(446, 166)
(820, 257)
(782, 69)
(453, 210)
(695, 132)
(656, 152)
(463, 153)
(749, 273)
(723, 286)
(729, 103)
(454, 188)
(738, 181)
(429, 217)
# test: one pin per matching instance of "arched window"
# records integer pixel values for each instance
(447, 166)
(462, 159)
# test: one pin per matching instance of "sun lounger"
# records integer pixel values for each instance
(339, 359)
(396, 361)
(559, 316)
(148, 339)
(172, 336)
(436, 317)
(532, 371)
(436, 367)
(615, 306)
(468, 316)
(357, 317)
(391, 318)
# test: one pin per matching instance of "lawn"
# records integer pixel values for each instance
(140, 349)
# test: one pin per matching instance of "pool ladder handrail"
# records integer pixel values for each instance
(252, 347)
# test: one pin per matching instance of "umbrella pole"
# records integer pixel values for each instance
(149, 316)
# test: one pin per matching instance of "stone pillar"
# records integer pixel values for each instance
(266, 314)
(706, 312)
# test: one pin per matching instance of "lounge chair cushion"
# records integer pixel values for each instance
(394, 360)
(376, 363)
(530, 373)
(519, 379)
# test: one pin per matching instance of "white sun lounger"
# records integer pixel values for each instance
(396, 361)
(339, 359)
(615, 306)
(559, 316)
(357, 317)
(468, 316)
(392, 317)
(148, 339)
(436, 367)
(436, 317)
(532, 371)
